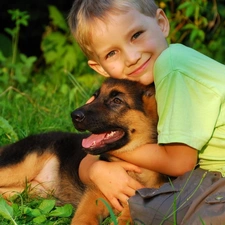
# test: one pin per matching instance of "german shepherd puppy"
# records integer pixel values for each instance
(122, 117)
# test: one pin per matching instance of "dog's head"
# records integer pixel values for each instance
(122, 117)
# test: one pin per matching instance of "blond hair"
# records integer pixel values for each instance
(84, 13)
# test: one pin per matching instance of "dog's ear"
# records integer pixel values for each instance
(149, 90)
(150, 104)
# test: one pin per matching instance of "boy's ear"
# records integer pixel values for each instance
(98, 68)
(163, 22)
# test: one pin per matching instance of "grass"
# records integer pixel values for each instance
(31, 110)
(41, 108)
(24, 209)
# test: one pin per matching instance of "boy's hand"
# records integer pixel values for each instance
(114, 182)
(91, 99)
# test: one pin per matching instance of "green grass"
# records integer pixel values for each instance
(26, 210)
(34, 109)
(41, 107)
(23, 209)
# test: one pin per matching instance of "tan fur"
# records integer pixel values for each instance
(140, 127)
(32, 170)
(42, 171)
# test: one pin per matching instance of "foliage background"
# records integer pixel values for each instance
(44, 75)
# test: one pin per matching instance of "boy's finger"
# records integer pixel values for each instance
(131, 167)
(135, 185)
(90, 99)
(116, 204)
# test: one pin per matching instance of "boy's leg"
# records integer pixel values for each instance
(209, 207)
(170, 203)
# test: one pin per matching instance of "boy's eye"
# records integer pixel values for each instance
(136, 35)
(110, 54)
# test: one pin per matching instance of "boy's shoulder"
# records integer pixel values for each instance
(175, 57)
(181, 51)
(181, 57)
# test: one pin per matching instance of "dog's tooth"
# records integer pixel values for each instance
(111, 134)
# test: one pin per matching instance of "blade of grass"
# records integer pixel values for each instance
(112, 215)
(77, 84)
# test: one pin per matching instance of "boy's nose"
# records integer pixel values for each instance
(131, 58)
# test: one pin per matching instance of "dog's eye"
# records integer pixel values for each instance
(117, 101)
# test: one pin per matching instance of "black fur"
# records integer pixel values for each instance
(66, 146)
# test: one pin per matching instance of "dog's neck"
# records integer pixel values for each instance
(109, 158)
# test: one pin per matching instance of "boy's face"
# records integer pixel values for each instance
(127, 45)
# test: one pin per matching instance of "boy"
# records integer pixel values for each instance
(127, 39)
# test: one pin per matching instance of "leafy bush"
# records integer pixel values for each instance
(27, 105)
(37, 97)
(198, 24)
(16, 68)
(60, 51)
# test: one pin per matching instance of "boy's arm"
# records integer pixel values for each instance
(111, 178)
(114, 182)
(84, 168)
(171, 159)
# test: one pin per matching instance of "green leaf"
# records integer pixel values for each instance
(69, 59)
(53, 47)
(2, 57)
(24, 22)
(16, 209)
(23, 57)
(28, 61)
(190, 10)
(201, 35)
(189, 26)
(63, 211)
(10, 31)
(196, 33)
(46, 206)
(193, 35)
(184, 5)
(40, 219)
(31, 212)
(57, 18)
(6, 211)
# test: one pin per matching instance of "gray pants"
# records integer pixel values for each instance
(196, 198)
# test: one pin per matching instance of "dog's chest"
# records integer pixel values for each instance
(148, 178)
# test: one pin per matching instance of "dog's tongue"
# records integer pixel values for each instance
(93, 140)
(100, 140)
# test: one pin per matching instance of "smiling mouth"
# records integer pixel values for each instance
(139, 69)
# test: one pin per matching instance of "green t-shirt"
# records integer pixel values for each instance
(190, 94)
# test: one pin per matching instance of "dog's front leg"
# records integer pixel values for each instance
(91, 210)
(124, 218)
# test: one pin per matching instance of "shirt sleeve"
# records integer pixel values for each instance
(188, 110)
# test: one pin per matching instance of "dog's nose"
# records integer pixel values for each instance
(78, 116)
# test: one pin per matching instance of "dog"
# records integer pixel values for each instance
(122, 117)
